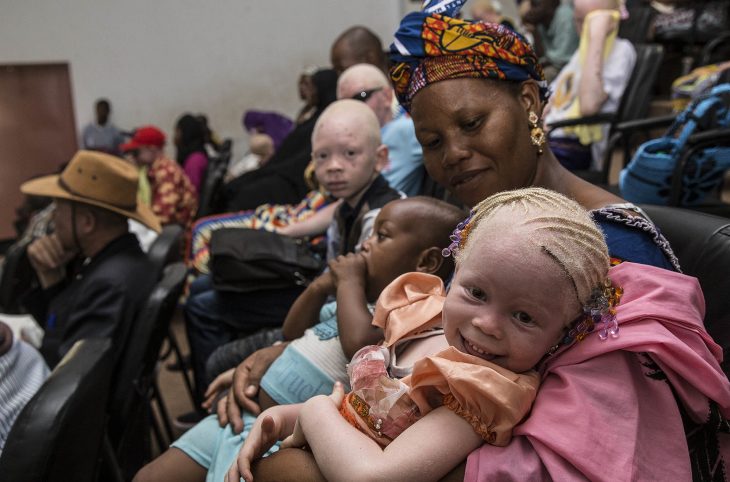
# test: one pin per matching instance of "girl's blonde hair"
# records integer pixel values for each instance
(559, 226)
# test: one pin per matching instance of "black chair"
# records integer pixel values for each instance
(58, 435)
(702, 244)
(166, 249)
(209, 197)
(17, 275)
(634, 105)
(136, 389)
(637, 27)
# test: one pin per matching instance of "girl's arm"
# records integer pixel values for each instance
(304, 313)
(590, 90)
(272, 425)
(316, 224)
(427, 450)
(354, 320)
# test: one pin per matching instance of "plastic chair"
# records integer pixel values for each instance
(136, 389)
(634, 105)
(58, 434)
(702, 244)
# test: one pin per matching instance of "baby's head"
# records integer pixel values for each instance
(528, 262)
(409, 235)
(347, 150)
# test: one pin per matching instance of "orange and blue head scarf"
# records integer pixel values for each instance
(432, 45)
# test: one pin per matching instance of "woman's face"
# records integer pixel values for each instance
(475, 136)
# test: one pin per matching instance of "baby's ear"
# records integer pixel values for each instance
(430, 260)
(381, 158)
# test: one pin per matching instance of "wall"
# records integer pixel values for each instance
(157, 59)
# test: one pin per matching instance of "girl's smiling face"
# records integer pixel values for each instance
(509, 302)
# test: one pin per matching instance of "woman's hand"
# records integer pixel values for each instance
(245, 387)
(221, 383)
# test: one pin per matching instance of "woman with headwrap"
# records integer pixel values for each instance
(476, 93)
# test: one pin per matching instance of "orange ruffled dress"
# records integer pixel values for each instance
(491, 398)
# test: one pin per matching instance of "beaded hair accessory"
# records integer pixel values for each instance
(599, 313)
(458, 237)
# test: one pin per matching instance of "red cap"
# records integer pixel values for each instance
(145, 136)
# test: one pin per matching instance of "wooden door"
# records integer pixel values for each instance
(37, 130)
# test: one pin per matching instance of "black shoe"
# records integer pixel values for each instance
(188, 420)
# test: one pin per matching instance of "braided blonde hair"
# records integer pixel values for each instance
(559, 226)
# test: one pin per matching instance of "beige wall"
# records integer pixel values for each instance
(155, 59)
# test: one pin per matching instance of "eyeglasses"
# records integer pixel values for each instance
(366, 94)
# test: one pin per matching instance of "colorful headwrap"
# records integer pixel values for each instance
(432, 45)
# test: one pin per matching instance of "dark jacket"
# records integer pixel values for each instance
(101, 299)
(349, 220)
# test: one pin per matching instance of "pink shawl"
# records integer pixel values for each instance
(599, 413)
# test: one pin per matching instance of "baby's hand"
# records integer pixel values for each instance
(263, 435)
(350, 267)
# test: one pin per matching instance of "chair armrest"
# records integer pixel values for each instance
(714, 135)
(604, 118)
(646, 124)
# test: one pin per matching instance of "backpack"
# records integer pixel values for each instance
(648, 177)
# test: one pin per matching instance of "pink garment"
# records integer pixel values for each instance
(599, 415)
(195, 166)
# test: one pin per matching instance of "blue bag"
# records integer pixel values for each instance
(648, 177)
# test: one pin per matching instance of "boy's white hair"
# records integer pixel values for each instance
(351, 111)
(559, 226)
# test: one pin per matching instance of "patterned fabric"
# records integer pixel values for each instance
(22, 372)
(173, 196)
(430, 47)
(616, 213)
(268, 217)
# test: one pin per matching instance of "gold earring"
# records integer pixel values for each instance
(537, 135)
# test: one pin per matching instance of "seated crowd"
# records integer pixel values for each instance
(516, 322)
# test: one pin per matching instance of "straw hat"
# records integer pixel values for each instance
(100, 180)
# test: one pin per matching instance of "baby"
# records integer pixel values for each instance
(531, 277)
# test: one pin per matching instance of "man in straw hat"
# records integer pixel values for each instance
(94, 196)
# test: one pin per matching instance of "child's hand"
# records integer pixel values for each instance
(297, 439)
(325, 283)
(264, 434)
(350, 267)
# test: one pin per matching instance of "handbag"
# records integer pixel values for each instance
(243, 260)
(649, 176)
